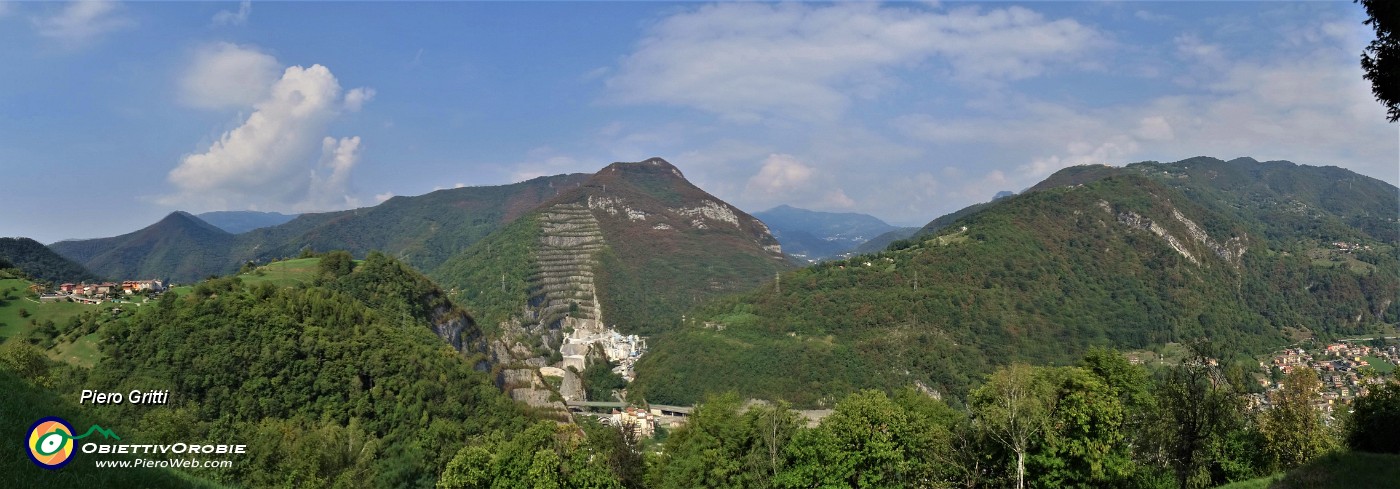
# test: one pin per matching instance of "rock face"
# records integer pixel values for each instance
(449, 324)
(1232, 251)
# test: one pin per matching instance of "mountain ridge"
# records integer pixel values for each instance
(1133, 257)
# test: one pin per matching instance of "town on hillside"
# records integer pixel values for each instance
(98, 293)
(1346, 368)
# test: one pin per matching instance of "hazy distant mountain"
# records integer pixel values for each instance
(814, 235)
(1240, 252)
(41, 262)
(238, 222)
(879, 243)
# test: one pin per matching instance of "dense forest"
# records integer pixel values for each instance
(1103, 422)
(341, 382)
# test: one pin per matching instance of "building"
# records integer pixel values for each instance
(643, 423)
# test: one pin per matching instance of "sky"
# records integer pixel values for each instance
(115, 114)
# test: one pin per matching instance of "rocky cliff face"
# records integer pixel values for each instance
(1231, 251)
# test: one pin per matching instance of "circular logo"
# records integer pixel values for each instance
(50, 442)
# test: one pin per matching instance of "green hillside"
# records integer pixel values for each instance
(350, 362)
(1345, 470)
(23, 404)
(38, 261)
(1115, 258)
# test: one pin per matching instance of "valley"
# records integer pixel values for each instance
(633, 297)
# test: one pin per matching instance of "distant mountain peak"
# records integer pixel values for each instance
(185, 220)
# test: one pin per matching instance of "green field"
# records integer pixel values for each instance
(1337, 470)
(82, 352)
(285, 273)
(11, 324)
(1382, 366)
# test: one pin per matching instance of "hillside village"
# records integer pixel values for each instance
(1346, 369)
(96, 293)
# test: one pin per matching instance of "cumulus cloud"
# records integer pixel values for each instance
(271, 160)
(239, 17)
(331, 178)
(785, 179)
(356, 98)
(226, 75)
(380, 198)
(748, 62)
(82, 21)
(780, 174)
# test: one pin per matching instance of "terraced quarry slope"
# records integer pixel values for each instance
(562, 283)
(629, 250)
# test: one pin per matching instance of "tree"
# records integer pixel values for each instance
(1014, 407)
(336, 264)
(723, 446)
(862, 444)
(1293, 429)
(1084, 445)
(1199, 411)
(1375, 420)
(1381, 59)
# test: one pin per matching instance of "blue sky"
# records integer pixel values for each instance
(114, 114)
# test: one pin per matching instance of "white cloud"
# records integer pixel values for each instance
(356, 98)
(239, 17)
(749, 62)
(331, 179)
(270, 160)
(4, 8)
(380, 198)
(785, 179)
(780, 175)
(1310, 107)
(226, 75)
(81, 21)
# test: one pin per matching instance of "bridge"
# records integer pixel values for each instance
(665, 410)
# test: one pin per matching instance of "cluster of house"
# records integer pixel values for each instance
(1350, 247)
(1339, 366)
(105, 289)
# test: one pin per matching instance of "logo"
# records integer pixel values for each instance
(51, 441)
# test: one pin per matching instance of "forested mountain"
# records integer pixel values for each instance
(40, 262)
(238, 222)
(341, 382)
(637, 244)
(180, 246)
(1240, 252)
(812, 235)
(423, 230)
